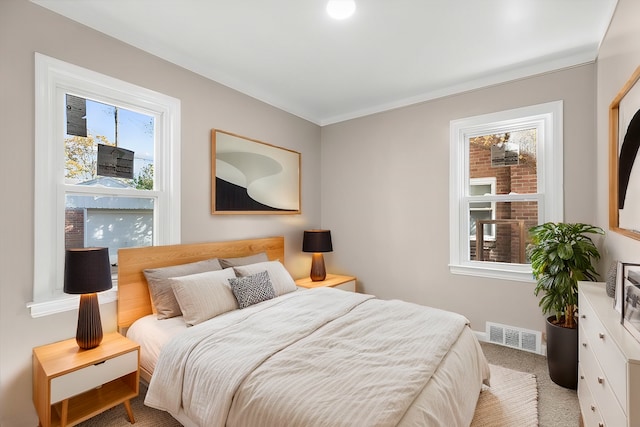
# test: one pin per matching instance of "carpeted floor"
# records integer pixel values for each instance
(557, 406)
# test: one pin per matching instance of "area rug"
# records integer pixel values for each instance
(510, 401)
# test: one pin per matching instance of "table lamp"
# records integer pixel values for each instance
(86, 272)
(317, 242)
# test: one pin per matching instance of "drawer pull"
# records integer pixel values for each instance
(99, 363)
(593, 408)
(600, 380)
(601, 335)
(581, 377)
(584, 344)
(583, 316)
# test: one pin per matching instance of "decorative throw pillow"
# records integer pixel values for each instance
(162, 295)
(205, 295)
(251, 259)
(252, 289)
(280, 278)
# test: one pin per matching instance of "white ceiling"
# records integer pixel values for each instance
(290, 54)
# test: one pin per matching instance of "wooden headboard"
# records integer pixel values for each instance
(134, 301)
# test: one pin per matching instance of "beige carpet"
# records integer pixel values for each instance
(511, 400)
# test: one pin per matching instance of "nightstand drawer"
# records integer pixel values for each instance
(89, 377)
(347, 286)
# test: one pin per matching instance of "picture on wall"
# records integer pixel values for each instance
(631, 299)
(624, 166)
(253, 177)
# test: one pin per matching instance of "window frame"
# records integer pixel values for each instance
(548, 119)
(53, 79)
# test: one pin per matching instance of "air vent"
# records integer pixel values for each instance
(511, 336)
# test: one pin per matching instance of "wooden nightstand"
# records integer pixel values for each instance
(71, 385)
(347, 283)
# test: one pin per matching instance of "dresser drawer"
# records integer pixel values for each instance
(590, 411)
(347, 286)
(594, 336)
(89, 377)
(603, 396)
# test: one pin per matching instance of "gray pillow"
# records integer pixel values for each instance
(160, 286)
(245, 260)
(253, 289)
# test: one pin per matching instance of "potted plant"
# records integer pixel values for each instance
(561, 255)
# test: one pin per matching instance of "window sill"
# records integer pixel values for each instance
(67, 303)
(516, 272)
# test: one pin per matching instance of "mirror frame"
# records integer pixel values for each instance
(614, 132)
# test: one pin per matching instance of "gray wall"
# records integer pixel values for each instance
(26, 28)
(385, 195)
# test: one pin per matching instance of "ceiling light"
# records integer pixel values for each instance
(341, 9)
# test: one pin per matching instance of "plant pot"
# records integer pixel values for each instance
(562, 354)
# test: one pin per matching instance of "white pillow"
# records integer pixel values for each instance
(281, 280)
(203, 296)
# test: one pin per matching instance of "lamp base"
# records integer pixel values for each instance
(318, 272)
(89, 330)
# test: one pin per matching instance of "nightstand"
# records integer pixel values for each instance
(347, 283)
(71, 385)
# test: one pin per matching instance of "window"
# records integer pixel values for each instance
(107, 172)
(506, 176)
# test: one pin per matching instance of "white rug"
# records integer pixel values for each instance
(511, 401)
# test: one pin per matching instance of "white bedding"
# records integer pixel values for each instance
(322, 357)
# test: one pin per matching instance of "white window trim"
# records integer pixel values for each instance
(51, 77)
(549, 120)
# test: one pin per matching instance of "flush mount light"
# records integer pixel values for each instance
(341, 9)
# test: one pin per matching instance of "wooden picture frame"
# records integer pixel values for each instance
(252, 177)
(624, 140)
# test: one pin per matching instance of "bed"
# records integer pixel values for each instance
(318, 357)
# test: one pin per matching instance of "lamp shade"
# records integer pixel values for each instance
(317, 241)
(87, 270)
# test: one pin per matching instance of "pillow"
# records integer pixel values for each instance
(203, 296)
(252, 289)
(245, 260)
(160, 288)
(280, 278)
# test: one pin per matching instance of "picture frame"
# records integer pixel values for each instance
(624, 178)
(253, 177)
(630, 292)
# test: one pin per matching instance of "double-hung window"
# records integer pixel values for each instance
(106, 172)
(506, 176)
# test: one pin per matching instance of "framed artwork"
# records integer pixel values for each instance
(631, 299)
(624, 166)
(252, 177)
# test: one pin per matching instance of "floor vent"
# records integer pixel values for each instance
(510, 336)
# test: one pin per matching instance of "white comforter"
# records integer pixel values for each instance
(321, 357)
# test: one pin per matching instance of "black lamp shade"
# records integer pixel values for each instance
(87, 270)
(317, 241)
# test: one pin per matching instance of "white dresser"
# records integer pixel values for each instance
(609, 369)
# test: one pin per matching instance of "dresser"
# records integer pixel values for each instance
(609, 362)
